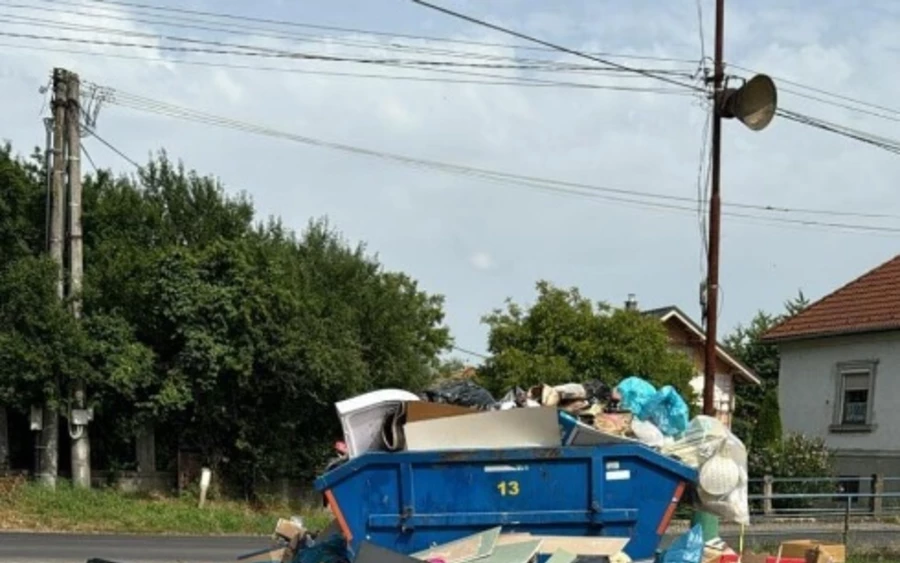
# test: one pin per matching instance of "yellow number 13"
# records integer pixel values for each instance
(508, 488)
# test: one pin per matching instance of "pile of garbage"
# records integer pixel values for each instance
(632, 411)
(293, 544)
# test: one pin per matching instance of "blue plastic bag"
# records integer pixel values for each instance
(668, 411)
(686, 549)
(635, 393)
(664, 408)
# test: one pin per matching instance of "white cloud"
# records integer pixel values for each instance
(427, 223)
(482, 261)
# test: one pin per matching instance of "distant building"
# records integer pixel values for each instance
(688, 337)
(834, 355)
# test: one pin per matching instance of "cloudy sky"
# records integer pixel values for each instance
(475, 241)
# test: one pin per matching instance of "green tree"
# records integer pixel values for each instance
(22, 209)
(768, 427)
(564, 337)
(232, 336)
(254, 332)
(762, 357)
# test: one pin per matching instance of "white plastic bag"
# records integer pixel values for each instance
(647, 432)
(721, 459)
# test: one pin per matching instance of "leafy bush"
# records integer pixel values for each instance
(794, 457)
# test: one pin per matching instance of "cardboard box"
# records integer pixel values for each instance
(288, 529)
(417, 411)
(814, 552)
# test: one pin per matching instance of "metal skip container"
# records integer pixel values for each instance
(409, 501)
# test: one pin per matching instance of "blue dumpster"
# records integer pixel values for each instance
(409, 501)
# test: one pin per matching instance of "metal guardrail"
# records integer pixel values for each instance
(834, 505)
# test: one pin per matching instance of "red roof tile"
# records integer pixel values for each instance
(867, 304)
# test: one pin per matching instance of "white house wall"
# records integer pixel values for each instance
(808, 390)
(723, 394)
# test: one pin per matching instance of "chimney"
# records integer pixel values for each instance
(631, 303)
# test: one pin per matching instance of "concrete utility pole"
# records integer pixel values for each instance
(81, 448)
(49, 438)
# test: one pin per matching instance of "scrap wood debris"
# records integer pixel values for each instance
(490, 546)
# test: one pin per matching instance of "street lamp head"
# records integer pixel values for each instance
(753, 104)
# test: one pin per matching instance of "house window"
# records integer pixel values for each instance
(853, 405)
(856, 398)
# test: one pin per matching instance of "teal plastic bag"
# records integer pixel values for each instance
(664, 408)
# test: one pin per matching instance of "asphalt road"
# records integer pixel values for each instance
(66, 548)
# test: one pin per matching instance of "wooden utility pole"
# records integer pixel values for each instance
(715, 217)
(81, 449)
(49, 438)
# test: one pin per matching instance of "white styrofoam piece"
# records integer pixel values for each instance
(362, 418)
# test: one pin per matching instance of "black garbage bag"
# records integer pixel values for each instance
(598, 391)
(463, 393)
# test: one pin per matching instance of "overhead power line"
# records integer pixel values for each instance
(491, 79)
(181, 22)
(389, 34)
(888, 144)
(824, 92)
(628, 197)
(249, 51)
(471, 353)
(560, 48)
(545, 65)
(874, 140)
(499, 81)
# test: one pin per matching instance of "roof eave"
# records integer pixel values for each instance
(796, 337)
(721, 352)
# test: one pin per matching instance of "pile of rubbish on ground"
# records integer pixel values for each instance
(294, 544)
(572, 422)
